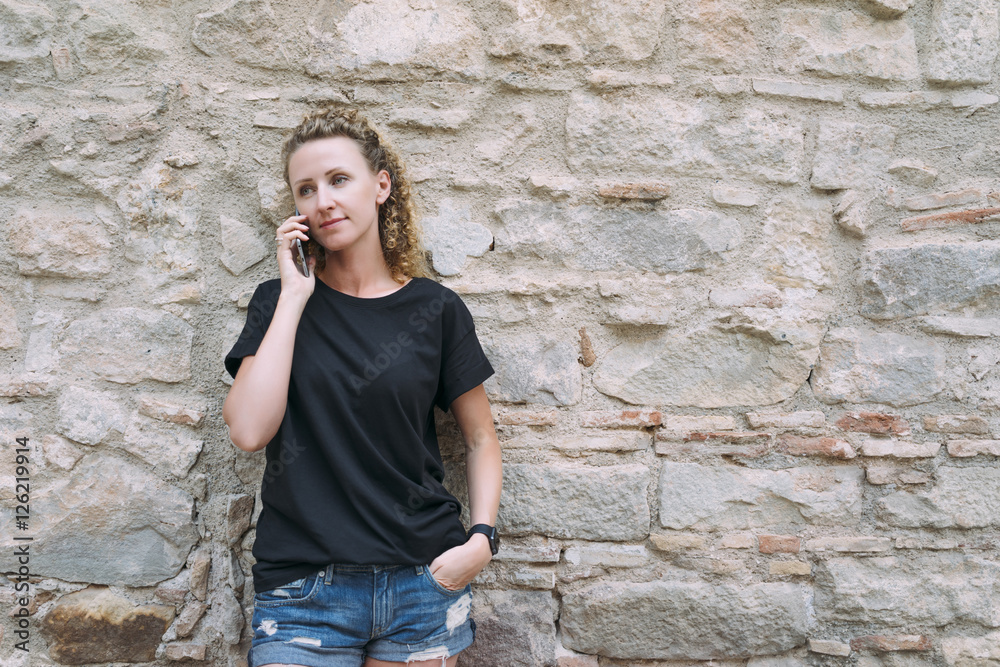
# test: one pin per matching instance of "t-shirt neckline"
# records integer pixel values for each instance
(366, 302)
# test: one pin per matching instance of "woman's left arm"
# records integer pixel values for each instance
(459, 565)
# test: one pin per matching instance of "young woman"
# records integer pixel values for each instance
(361, 557)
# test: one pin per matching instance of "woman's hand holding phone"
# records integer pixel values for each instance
(294, 282)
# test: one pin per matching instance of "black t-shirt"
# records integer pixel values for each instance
(354, 474)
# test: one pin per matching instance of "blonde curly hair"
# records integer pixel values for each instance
(398, 227)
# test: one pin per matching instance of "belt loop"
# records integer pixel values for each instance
(419, 569)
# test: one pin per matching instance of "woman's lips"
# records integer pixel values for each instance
(330, 223)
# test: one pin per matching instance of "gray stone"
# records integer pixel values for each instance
(860, 367)
(244, 30)
(968, 327)
(595, 239)
(533, 369)
(929, 278)
(107, 40)
(798, 237)
(428, 39)
(276, 203)
(26, 37)
(964, 41)
(575, 502)
(10, 335)
(60, 452)
(54, 240)
(753, 360)
(851, 154)
(225, 617)
(960, 498)
(452, 237)
(163, 446)
(844, 43)
(946, 588)
(684, 620)
(803, 91)
(41, 355)
(643, 136)
(226, 573)
(607, 555)
(887, 9)
(241, 245)
(552, 32)
(109, 522)
(513, 629)
(88, 416)
(697, 497)
(128, 345)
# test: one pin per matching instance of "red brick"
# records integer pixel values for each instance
(800, 446)
(621, 418)
(779, 544)
(873, 422)
(883, 643)
(949, 219)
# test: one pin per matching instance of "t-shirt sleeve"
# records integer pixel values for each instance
(464, 365)
(260, 310)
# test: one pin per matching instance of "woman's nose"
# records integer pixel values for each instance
(325, 198)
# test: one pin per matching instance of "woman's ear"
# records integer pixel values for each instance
(384, 187)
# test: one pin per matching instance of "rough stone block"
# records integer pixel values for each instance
(726, 195)
(851, 154)
(965, 327)
(646, 136)
(802, 446)
(533, 370)
(242, 247)
(174, 409)
(697, 497)
(942, 199)
(829, 647)
(594, 239)
(513, 629)
(899, 449)
(88, 416)
(550, 32)
(128, 345)
(452, 237)
(798, 235)
(850, 544)
(107, 507)
(789, 568)
(860, 367)
(646, 190)
(778, 544)
(913, 171)
(936, 590)
(60, 241)
(575, 502)
(27, 37)
(96, 625)
(439, 38)
(844, 43)
(607, 555)
(675, 542)
(789, 420)
(928, 278)
(715, 33)
(965, 35)
(751, 364)
(960, 497)
(684, 621)
(971, 651)
(620, 418)
(873, 422)
(884, 643)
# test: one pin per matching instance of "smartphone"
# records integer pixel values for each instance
(303, 265)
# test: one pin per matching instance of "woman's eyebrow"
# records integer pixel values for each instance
(302, 180)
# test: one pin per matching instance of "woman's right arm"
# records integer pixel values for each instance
(256, 402)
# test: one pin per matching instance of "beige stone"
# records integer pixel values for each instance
(61, 241)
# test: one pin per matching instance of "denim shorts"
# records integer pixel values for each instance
(337, 615)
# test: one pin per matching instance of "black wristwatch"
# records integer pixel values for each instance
(491, 534)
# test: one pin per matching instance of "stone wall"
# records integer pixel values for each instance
(735, 263)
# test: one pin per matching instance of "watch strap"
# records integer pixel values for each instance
(489, 531)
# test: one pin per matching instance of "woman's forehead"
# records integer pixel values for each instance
(328, 152)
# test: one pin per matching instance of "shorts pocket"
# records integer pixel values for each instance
(437, 585)
(294, 591)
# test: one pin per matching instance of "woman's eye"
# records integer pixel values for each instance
(305, 191)
(339, 179)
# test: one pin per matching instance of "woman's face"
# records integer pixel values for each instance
(333, 186)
